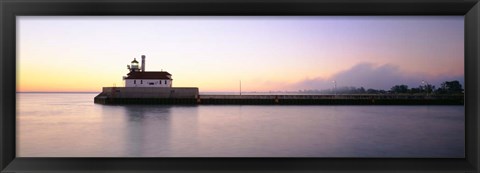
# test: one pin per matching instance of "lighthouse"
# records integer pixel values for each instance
(134, 66)
(138, 77)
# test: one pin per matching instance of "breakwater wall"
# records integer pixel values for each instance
(150, 92)
(386, 99)
(140, 95)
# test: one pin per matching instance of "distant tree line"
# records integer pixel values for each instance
(447, 87)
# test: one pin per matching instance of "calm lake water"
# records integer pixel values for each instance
(71, 125)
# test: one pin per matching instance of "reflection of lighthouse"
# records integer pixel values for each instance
(150, 131)
(147, 131)
(160, 131)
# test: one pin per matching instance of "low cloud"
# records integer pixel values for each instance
(369, 75)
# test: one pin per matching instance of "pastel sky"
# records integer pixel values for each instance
(267, 53)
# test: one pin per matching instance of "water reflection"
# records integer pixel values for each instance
(284, 131)
(150, 130)
(84, 129)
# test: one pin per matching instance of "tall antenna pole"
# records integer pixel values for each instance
(335, 87)
(240, 87)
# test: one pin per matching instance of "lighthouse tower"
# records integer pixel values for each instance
(134, 66)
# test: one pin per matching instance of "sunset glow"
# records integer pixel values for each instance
(72, 54)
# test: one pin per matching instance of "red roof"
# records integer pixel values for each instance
(149, 75)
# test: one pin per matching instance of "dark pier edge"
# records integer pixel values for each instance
(11, 8)
(233, 101)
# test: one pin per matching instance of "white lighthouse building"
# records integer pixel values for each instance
(138, 77)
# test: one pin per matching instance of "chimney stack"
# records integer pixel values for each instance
(143, 63)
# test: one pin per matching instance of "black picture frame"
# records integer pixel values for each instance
(9, 9)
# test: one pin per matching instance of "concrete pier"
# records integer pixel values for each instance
(330, 99)
(189, 97)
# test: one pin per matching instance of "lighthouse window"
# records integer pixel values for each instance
(134, 81)
(165, 81)
(151, 83)
(141, 81)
